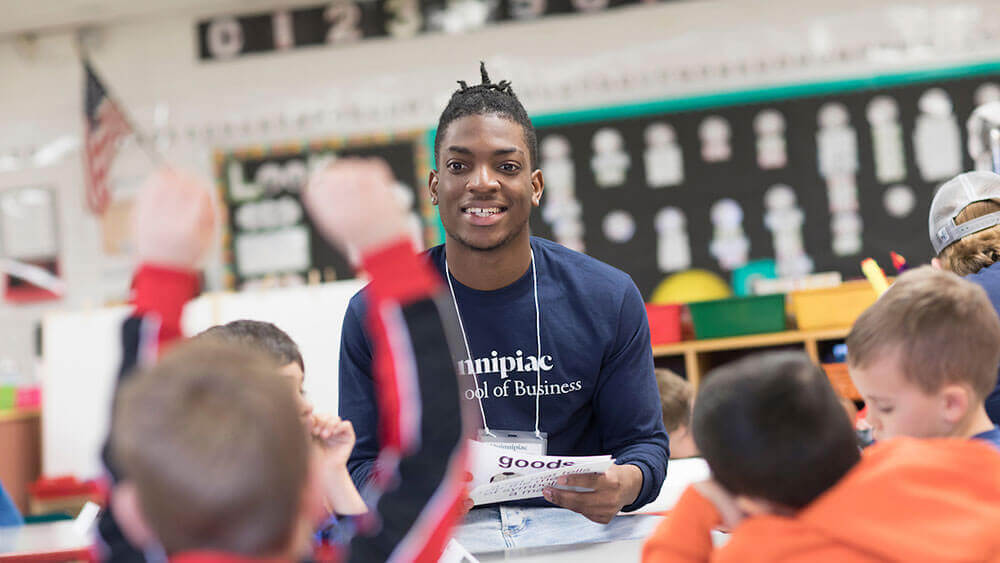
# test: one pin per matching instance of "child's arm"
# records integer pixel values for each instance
(417, 484)
(173, 222)
(686, 533)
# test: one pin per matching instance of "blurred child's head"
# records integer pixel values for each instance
(213, 455)
(773, 431)
(676, 396)
(270, 340)
(925, 355)
(964, 222)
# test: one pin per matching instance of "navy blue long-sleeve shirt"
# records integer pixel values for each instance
(989, 279)
(599, 395)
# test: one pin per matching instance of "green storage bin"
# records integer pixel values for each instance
(738, 316)
(7, 396)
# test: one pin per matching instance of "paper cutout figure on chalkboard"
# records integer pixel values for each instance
(771, 150)
(887, 140)
(730, 244)
(937, 140)
(983, 142)
(836, 142)
(570, 233)
(784, 219)
(842, 194)
(673, 250)
(846, 229)
(619, 226)
(558, 168)
(560, 208)
(986, 93)
(610, 162)
(715, 133)
(899, 201)
(663, 159)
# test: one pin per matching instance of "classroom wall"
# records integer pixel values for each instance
(557, 64)
(79, 375)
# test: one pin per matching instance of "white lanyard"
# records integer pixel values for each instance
(468, 351)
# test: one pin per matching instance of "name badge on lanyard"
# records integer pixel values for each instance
(521, 441)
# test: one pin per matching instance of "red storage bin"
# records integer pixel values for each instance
(664, 323)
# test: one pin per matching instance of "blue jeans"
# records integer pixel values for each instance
(499, 528)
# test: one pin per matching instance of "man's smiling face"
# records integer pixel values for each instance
(485, 185)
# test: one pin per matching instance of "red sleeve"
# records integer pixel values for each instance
(398, 277)
(418, 477)
(399, 274)
(163, 292)
(686, 534)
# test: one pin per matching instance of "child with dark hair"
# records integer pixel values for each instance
(559, 339)
(333, 437)
(262, 336)
(791, 484)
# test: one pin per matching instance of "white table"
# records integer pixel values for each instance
(36, 541)
(622, 551)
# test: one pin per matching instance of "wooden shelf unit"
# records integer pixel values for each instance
(12, 415)
(20, 452)
(697, 353)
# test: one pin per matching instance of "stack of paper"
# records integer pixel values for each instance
(500, 475)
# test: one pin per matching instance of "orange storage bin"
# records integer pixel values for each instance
(840, 379)
(832, 307)
(664, 323)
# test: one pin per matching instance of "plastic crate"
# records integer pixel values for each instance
(738, 316)
(664, 323)
(28, 397)
(8, 396)
(840, 380)
(832, 307)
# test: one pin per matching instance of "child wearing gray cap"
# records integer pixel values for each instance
(964, 227)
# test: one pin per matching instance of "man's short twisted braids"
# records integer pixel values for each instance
(487, 98)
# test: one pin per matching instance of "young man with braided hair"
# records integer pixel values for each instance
(555, 344)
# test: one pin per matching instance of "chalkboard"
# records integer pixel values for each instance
(859, 185)
(269, 239)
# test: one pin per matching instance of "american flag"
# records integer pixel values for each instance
(105, 124)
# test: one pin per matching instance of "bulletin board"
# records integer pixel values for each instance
(816, 176)
(269, 239)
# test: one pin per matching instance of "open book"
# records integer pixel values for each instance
(500, 475)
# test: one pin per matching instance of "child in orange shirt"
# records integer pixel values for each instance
(789, 481)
